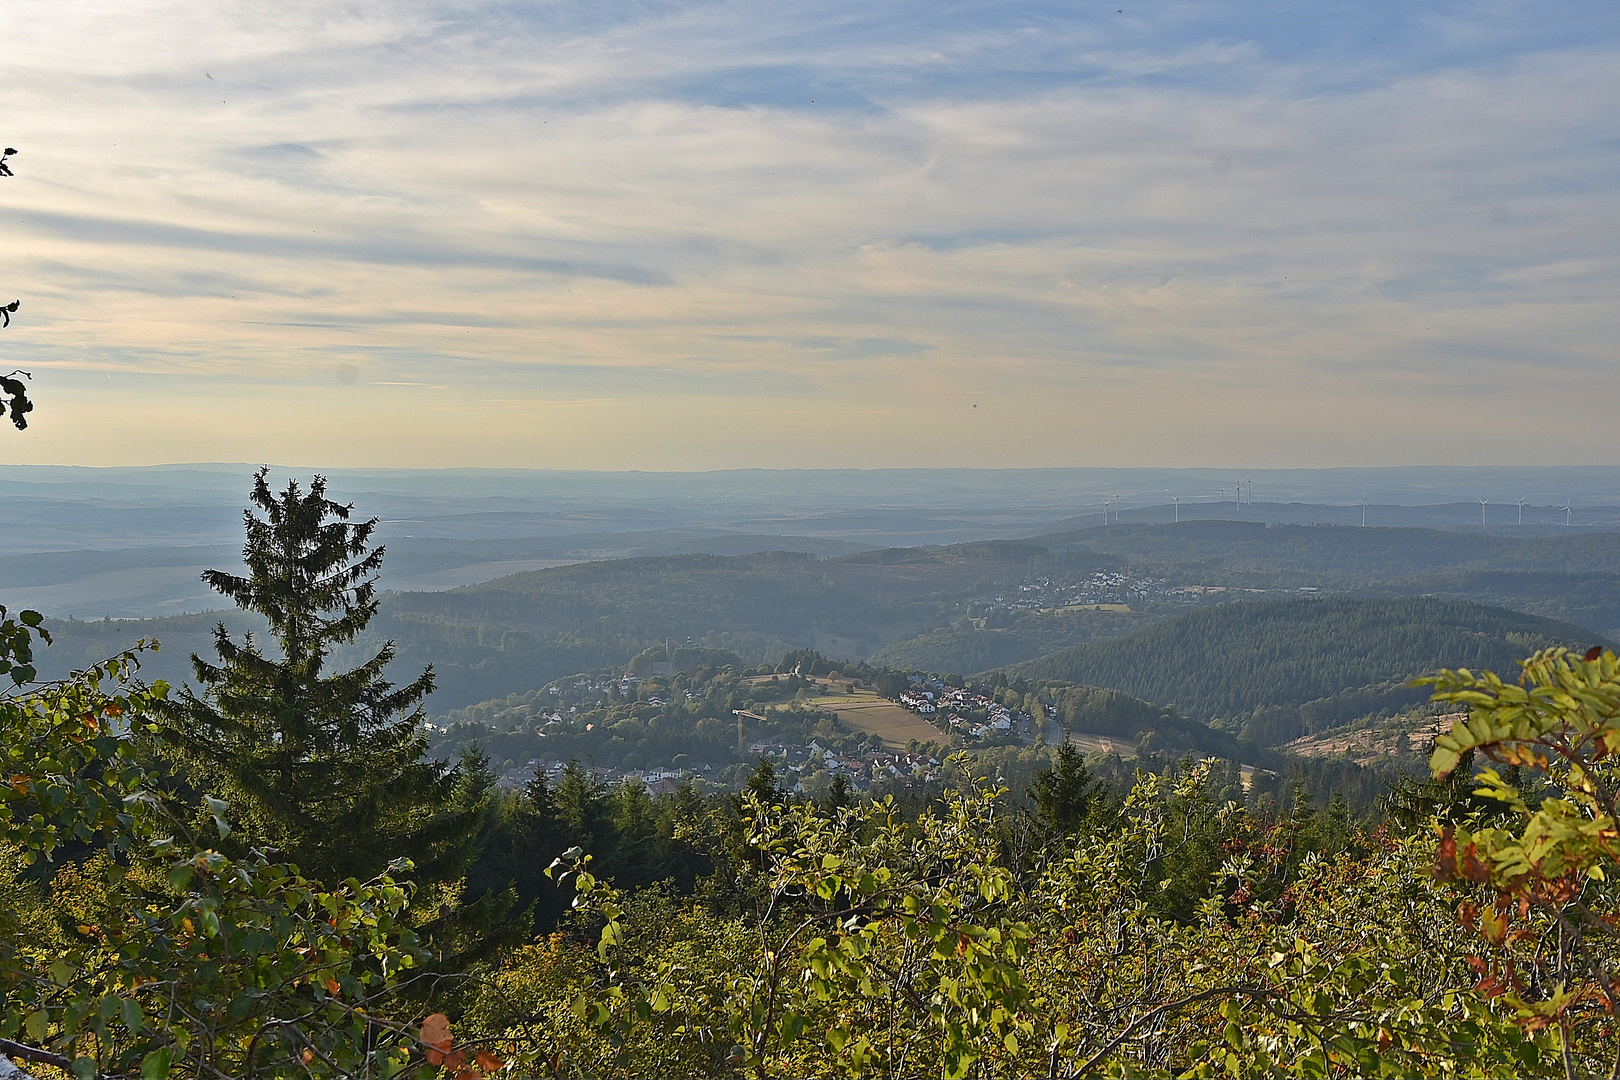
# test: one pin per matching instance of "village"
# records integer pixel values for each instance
(865, 746)
(1108, 589)
(960, 711)
(1101, 587)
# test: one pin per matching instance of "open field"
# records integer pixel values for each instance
(866, 711)
(1367, 745)
(1097, 744)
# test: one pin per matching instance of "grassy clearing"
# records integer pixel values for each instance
(1091, 744)
(1102, 744)
(866, 711)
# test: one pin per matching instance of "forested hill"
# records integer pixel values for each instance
(1230, 660)
(973, 648)
(960, 609)
(1574, 577)
(517, 633)
(1346, 553)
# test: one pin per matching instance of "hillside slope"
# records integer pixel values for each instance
(1348, 553)
(518, 632)
(969, 649)
(1230, 661)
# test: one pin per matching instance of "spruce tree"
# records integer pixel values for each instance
(330, 767)
(1064, 793)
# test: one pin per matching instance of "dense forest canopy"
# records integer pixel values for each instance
(978, 646)
(1230, 660)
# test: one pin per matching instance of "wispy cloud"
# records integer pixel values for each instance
(829, 234)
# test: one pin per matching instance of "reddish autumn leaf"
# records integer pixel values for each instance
(436, 1037)
(1471, 867)
(332, 987)
(1593, 653)
(488, 1061)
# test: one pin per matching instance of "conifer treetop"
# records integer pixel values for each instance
(310, 572)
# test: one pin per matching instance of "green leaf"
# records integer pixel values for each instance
(1442, 761)
(132, 1016)
(217, 808)
(155, 1066)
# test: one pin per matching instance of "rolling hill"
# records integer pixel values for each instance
(518, 632)
(970, 649)
(1283, 667)
(910, 607)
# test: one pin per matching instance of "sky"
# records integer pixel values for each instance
(664, 236)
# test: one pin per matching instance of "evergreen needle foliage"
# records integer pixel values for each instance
(328, 766)
(1065, 793)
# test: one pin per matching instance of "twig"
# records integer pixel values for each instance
(29, 1053)
(1169, 1006)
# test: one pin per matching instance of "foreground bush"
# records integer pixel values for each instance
(1169, 933)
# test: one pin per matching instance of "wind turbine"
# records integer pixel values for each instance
(1567, 514)
(1482, 503)
(1177, 500)
(1521, 511)
(1363, 509)
(1116, 508)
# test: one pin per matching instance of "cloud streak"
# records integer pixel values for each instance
(952, 234)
